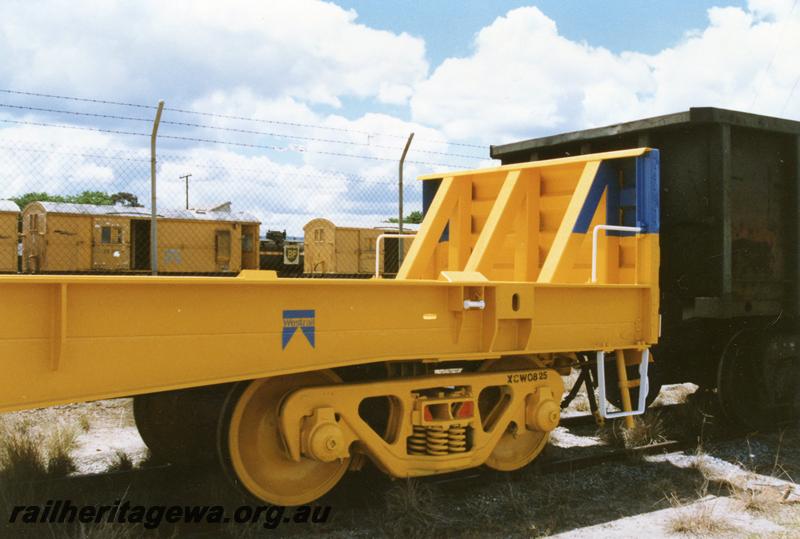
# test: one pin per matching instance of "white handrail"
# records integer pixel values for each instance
(644, 387)
(378, 249)
(594, 242)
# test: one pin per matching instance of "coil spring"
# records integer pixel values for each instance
(437, 441)
(417, 442)
(457, 439)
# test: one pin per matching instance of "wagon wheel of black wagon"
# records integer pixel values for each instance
(757, 387)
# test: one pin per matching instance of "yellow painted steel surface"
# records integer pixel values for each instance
(392, 455)
(66, 339)
(73, 338)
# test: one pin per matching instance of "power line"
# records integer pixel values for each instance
(774, 54)
(228, 129)
(791, 93)
(224, 142)
(231, 117)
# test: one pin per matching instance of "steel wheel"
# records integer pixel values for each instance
(758, 377)
(180, 426)
(252, 449)
(518, 446)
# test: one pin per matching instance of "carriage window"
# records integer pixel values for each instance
(319, 234)
(111, 234)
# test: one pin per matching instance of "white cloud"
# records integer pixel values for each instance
(306, 49)
(290, 62)
(524, 79)
(281, 195)
(327, 139)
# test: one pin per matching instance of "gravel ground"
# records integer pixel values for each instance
(742, 487)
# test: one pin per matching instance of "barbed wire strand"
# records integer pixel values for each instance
(229, 129)
(232, 117)
(20, 146)
(227, 143)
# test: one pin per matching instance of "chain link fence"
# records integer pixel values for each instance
(67, 209)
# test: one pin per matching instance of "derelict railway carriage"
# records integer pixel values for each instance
(83, 238)
(517, 274)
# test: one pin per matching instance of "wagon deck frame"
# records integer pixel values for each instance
(75, 338)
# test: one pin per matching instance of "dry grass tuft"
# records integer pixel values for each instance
(27, 455)
(410, 511)
(59, 444)
(122, 462)
(648, 429)
(85, 422)
(20, 454)
(698, 520)
(581, 403)
(767, 501)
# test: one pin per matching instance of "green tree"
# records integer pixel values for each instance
(99, 198)
(413, 218)
(27, 198)
(126, 199)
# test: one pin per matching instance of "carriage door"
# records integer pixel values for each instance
(32, 242)
(110, 244)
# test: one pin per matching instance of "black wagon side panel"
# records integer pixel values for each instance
(729, 222)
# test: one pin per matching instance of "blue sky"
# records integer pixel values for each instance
(307, 95)
(448, 26)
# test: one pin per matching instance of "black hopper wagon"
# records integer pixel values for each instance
(730, 269)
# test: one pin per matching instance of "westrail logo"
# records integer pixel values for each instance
(294, 319)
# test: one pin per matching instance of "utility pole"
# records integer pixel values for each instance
(400, 202)
(186, 177)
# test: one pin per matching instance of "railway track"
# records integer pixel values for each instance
(173, 481)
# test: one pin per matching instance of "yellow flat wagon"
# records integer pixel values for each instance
(454, 364)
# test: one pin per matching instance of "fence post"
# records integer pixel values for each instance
(400, 203)
(153, 212)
